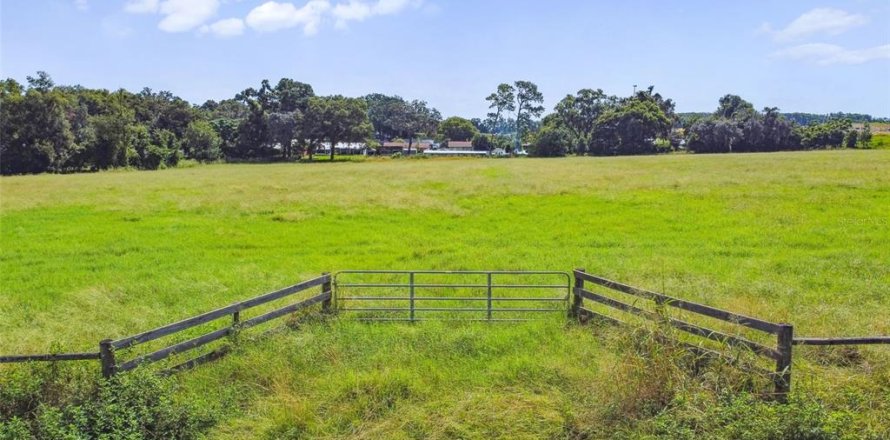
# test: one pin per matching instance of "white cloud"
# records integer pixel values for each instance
(142, 6)
(272, 16)
(185, 15)
(230, 27)
(354, 10)
(817, 21)
(81, 5)
(360, 10)
(386, 7)
(823, 54)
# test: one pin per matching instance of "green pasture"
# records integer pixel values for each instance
(801, 237)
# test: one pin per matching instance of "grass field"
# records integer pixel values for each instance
(788, 237)
(880, 141)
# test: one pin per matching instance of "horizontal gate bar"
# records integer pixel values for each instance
(494, 286)
(441, 298)
(458, 272)
(443, 309)
(450, 320)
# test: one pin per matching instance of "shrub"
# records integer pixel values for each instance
(44, 402)
(747, 417)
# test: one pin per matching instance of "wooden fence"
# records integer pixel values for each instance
(108, 348)
(780, 353)
(784, 333)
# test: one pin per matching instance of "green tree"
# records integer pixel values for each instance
(457, 129)
(830, 134)
(736, 127)
(501, 102)
(253, 133)
(528, 107)
(113, 138)
(712, 135)
(36, 133)
(292, 95)
(579, 114)
(383, 112)
(41, 83)
(632, 127)
(283, 131)
(201, 142)
(865, 137)
(227, 130)
(414, 118)
(335, 119)
(551, 142)
(483, 142)
(734, 107)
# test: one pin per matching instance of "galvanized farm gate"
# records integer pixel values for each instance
(420, 295)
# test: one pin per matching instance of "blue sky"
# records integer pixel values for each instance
(797, 55)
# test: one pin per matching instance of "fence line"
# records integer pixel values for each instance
(107, 354)
(780, 353)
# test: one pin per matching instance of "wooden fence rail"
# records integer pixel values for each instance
(867, 340)
(49, 357)
(108, 348)
(110, 366)
(781, 353)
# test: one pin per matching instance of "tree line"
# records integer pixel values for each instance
(593, 123)
(49, 128)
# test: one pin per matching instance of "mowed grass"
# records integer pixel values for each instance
(802, 238)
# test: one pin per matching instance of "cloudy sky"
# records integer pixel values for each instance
(797, 55)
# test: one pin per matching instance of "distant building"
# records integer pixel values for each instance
(445, 152)
(460, 145)
(388, 148)
(344, 148)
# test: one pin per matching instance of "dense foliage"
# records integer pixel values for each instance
(457, 129)
(45, 127)
(52, 401)
(602, 125)
(736, 127)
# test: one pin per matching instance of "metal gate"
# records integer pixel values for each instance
(418, 295)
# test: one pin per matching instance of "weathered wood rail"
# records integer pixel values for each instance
(867, 340)
(53, 357)
(784, 333)
(781, 353)
(109, 349)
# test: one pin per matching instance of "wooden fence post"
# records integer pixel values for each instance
(577, 300)
(782, 377)
(106, 356)
(326, 287)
